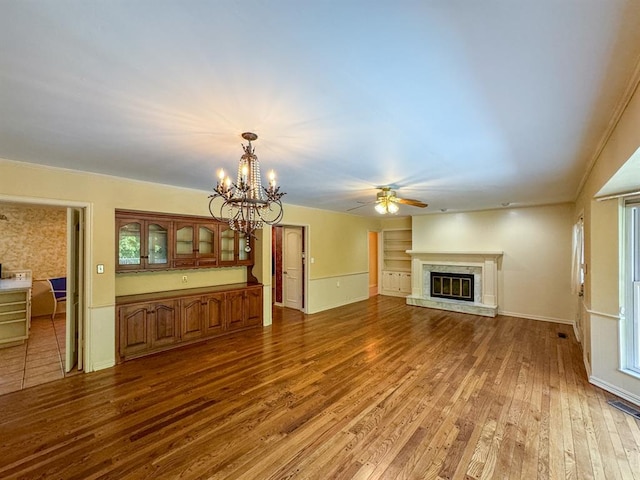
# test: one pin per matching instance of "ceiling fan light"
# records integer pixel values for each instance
(392, 207)
(380, 208)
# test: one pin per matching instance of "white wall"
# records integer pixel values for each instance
(534, 275)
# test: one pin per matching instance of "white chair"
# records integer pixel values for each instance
(43, 300)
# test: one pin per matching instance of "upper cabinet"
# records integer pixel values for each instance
(149, 241)
(233, 247)
(143, 243)
(196, 244)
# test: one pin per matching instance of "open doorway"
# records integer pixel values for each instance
(289, 266)
(52, 251)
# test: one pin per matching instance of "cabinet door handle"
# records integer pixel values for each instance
(284, 273)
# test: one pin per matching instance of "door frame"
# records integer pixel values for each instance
(88, 222)
(378, 254)
(305, 262)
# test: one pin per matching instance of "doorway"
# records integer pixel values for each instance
(289, 272)
(63, 320)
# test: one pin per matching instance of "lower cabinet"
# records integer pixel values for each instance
(15, 316)
(396, 283)
(149, 323)
(147, 326)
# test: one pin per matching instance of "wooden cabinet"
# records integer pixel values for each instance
(244, 308)
(143, 243)
(214, 314)
(202, 316)
(15, 316)
(396, 262)
(233, 247)
(191, 318)
(149, 323)
(196, 244)
(253, 306)
(396, 283)
(156, 241)
(235, 310)
(147, 326)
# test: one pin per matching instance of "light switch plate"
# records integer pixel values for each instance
(100, 268)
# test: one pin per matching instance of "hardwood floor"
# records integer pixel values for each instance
(373, 390)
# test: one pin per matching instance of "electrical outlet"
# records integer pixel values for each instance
(184, 279)
(337, 284)
(100, 268)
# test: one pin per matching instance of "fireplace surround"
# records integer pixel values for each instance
(480, 268)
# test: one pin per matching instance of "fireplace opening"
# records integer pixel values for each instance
(454, 286)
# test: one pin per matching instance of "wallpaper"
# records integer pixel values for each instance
(33, 238)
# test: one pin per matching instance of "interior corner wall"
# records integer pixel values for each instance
(534, 273)
(601, 303)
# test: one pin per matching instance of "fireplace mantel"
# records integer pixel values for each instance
(484, 263)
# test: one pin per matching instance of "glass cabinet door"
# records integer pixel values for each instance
(129, 244)
(227, 244)
(157, 244)
(206, 240)
(184, 240)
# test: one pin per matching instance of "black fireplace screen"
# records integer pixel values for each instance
(454, 286)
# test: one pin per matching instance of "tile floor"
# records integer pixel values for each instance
(39, 360)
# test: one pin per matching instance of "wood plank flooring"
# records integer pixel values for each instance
(373, 390)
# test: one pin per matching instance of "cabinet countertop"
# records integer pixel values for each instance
(9, 284)
(152, 296)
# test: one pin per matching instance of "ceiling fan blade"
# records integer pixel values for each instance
(413, 203)
(364, 204)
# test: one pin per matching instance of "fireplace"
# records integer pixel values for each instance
(458, 281)
(454, 286)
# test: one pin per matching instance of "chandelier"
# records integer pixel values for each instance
(246, 204)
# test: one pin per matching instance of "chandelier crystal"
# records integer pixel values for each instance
(246, 204)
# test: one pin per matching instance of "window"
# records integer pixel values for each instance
(631, 354)
(577, 258)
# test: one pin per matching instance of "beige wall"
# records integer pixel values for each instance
(338, 242)
(338, 247)
(534, 274)
(602, 253)
(33, 238)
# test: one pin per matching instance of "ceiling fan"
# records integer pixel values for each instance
(387, 201)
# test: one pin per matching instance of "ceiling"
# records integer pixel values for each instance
(461, 104)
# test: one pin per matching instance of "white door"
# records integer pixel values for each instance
(75, 268)
(292, 267)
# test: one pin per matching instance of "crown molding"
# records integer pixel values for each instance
(621, 106)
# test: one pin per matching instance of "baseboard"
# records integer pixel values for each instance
(587, 366)
(536, 317)
(576, 332)
(628, 396)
